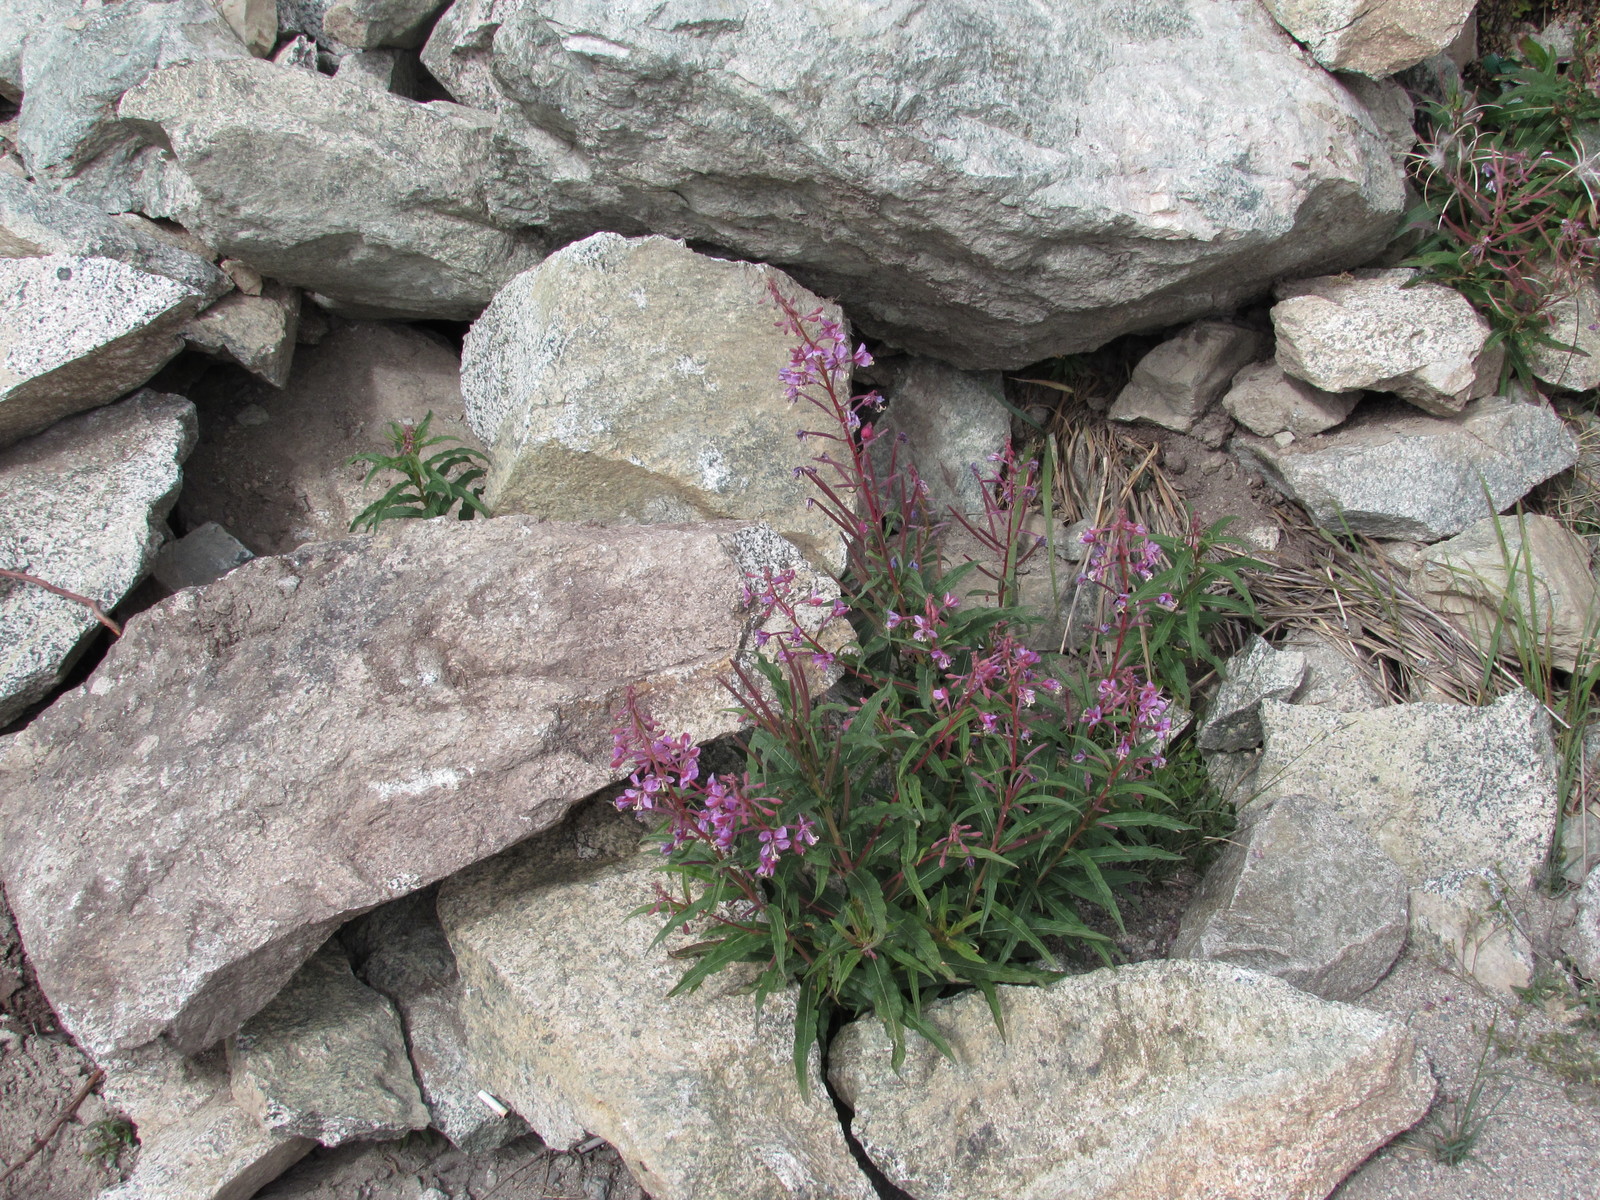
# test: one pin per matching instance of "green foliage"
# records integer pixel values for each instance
(1455, 1127)
(1509, 180)
(428, 487)
(108, 1139)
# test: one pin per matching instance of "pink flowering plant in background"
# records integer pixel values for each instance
(944, 814)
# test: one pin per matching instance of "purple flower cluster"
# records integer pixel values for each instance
(714, 811)
(774, 594)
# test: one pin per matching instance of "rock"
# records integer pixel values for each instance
(257, 332)
(304, 16)
(952, 420)
(80, 333)
(368, 24)
(979, 181)
(1333, 680)
(255, 21)
(1173, 1079)
(273, 467)
(1439, 786)
(1395, 473)
(1180, 379)
(326, 1059)
(384, 211)
(1393, 112)
(201, 556)
(409, 960)
(1573, 319)
(1375, 39)
(1486, 579)
(35, 222)
(1305, 896)
(1381, 330)
(24, 18)
(70, 134)
(1256, 673)
(1583, 943)
(84, 504)
(363, 717)
(568, 1016)
(1267, 402)
(298, 53)
(635, 380)
(194, 1142)
(1580, 843)
(1233, 776)
(386, 70)
(1461, 918)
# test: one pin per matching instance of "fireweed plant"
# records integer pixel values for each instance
(1510, 183)
(956, 799)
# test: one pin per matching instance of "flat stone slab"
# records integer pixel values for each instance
(1157, 1081)
(259, 760)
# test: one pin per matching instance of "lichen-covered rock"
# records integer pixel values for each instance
(1266, 402)
(1256, 673)
(1384, 331)
(314, 734)
(1374, 37)
(988, 182)
(35, 221)
(636, 380)
(326, 1059)
(84, 507)
(75, 70)
(257, 332)
(1439, 786)
(80, 332)
(1301, 894)
(567, 1014)
(1392, 472)
(1525, 576)
(1180, 379)
(372, 201)
(1157, 1081)
(952, 421)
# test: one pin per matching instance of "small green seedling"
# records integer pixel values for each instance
(1453, 1130)
(431, 486)
(107, 1140)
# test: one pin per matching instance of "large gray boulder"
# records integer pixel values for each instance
(84, 508)
(74, 71)
(80, 332)
(35, 221)
(636, 380)
(1393, 472)
(375, 202)
(314, 734)
(1440, 787)
(1178, 1080)
(1374, 37)
(1303, 895)
(984, 181)
(273, 467)
(568, 1017)
(326, 1059)
(1523, 577)
(1385, 331)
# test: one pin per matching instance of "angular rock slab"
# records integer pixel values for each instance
(326, 1059)
(1373, 37)
(25, 17)
(1180, 379)
(1461, 919)
(1303, 895)
(1333, 680)
(635, 380)
(1488, 577)
(1395, 473)
(1267, 402)
(70, 133)
(84, 508)
(567, 1014)
(1169, 1080)
(273, 466)
(76, 333)
(257, 332)
(383, 209)
(1438, 786)
(1583, 943)
(1383, 331)
(199, 557)
(989, 182)
(257, 761)
(1258, 672)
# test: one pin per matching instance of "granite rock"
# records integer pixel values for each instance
(1267, 402)
(1256, 673)
(952, 421)
(1176, 383)
(257, 332)
(1374, 37)
(199, 557)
